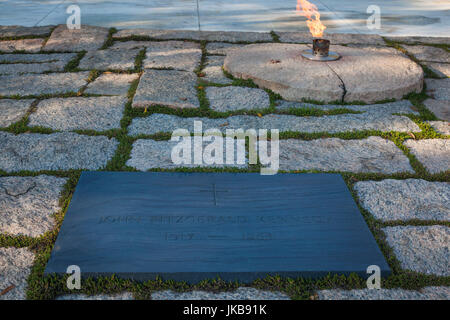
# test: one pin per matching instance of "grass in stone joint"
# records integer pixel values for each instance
(109, 40)
(72, 65)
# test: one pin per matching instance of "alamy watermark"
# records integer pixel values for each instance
(208, 148)
(74, 20)
(374, 20)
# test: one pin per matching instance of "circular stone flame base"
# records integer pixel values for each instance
(332, 56)
(362, 74)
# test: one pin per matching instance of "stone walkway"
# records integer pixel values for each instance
(98, 100)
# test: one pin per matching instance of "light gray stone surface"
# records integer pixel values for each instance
(23, 68)
(28, 45)
(442, 127)
(213, 70)
(422, 249)
(221, 48)
(12, 111)
(442, 70)
(174, 55)
(21, 31)
(405, 199)
(242, 293)
(374, 117)
(87, 38)
(428, 53)
(418, 40)
(156, 46)
(438, 89)
(236, 98)
(79, 113)
(56, 151)
(120, 296)
(172, 88)
(150, 154)
(367, 74)
(110, 59)
(37, 84)
(228, 36)
(427, 293)
(372, 154)
(434, 154)
(111, 84)
(335, 38)
(15, 267)
(28, 203)
(63, 58)
(441, 109)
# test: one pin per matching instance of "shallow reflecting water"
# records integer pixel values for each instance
(399, 17)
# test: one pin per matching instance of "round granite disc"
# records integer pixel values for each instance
(366, 74)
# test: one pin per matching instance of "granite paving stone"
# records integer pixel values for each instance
(224, 99)
(242, 293)
(150, 154)
(56, 151)
(23, 68)
(442, 70)
(28, 45)
(64, 58)
(438, 89)
(214, 72)
(79, 113)
(442, 127)
(156, 46)
(110, 59)
(440, 108)
(335, 38)
(21, 31)
(187, 59)
(38, 84)
(406, 199)
(422, 249)
(12, 111)
(111, 84)
(434, 154)
(119, 296)
(419, 40)
(28, 203)
(221, 48)
(86, 38)
(428, 53)
(373, 154)
(427, 293)
(173, 88)
(15, 267)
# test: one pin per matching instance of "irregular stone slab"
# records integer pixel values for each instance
(28, 45)
(442, 70)
(79, 113)
(15, 267)
(173, 56)
(236, 98)
(221, 48)
(428, 53)
(173, 88)
(373, 117)
(372, 154)
(427, 293)
(228, 36)
(119, 296)
(241, 293)
(109, 60)
(156, 46)
(34, 84)
(28, 203)
(20, 31)
(442, 127)
(434, 154)
(367, 74)
(63, 58)
(12, 111)
(441, 109)
(111, 84)
(406, 199)
(421, 248)
(417, 40)
(438, 89)
(213, 70)
(87, 38)
(23, 68)
(335, 38)
(56, 151)
(150, 154)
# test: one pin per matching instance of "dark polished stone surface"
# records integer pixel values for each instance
(194, 226)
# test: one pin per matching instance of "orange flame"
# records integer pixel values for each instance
(308, 10)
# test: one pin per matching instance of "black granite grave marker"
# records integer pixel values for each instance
(195, 226)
